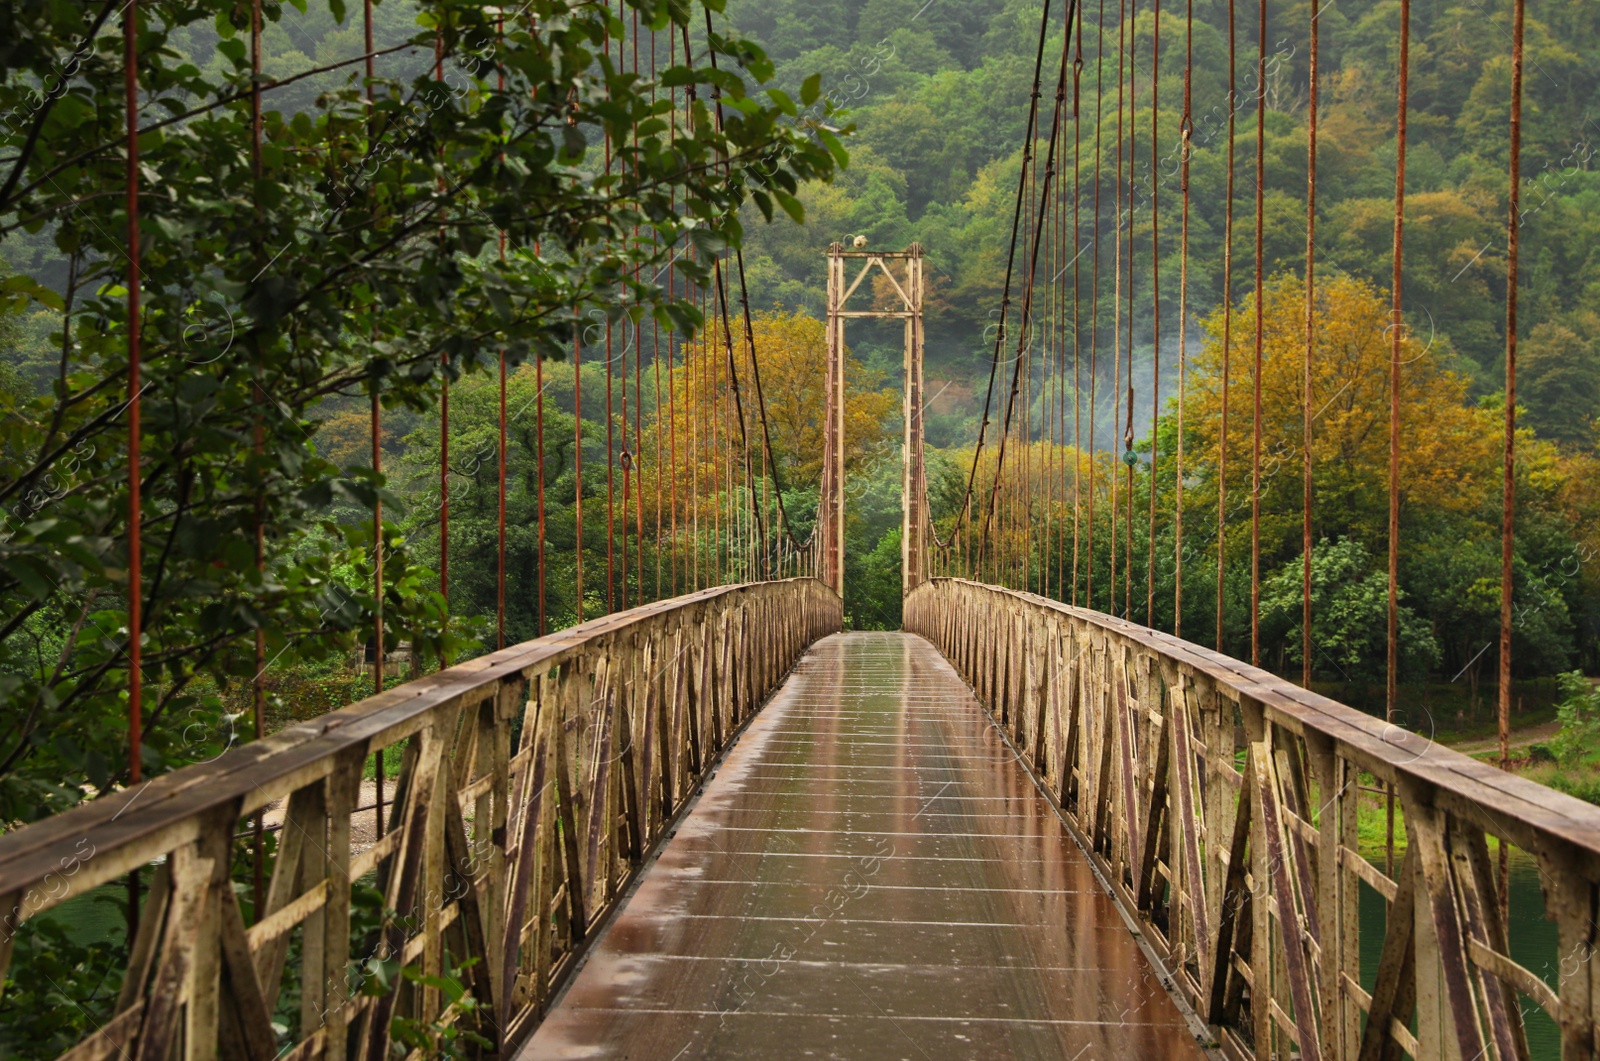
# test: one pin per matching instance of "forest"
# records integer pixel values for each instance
(932, 89)
(929, 96)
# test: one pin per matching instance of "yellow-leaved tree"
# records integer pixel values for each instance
(702, 448)
(1449, 452)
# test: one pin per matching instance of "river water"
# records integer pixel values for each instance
(1532, 937)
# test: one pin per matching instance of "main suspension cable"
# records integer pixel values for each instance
(1025, 322)
(965, 509)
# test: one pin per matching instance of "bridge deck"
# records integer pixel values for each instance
(870, 874)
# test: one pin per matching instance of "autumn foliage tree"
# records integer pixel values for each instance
(1449, 484)
(1449, 453)
(699, 423)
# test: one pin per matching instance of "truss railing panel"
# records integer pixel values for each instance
(533, 780)
(1222, 804)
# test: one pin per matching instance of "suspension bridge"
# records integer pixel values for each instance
(712, 822)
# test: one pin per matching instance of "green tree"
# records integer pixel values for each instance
(1349, 601)
(1558, 380)
(363, 261)
(1579, 713)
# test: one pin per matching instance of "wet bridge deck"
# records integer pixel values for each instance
(870, 874)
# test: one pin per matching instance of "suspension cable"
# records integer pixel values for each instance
(965, 509)
(1024, 321)
(1310, 333)
(1227, 327)
(1255, 378)
(1508, 479)
(1396, 332)
(1185, 146)
(1077, 296)
(1094, 290)
(1155, 313)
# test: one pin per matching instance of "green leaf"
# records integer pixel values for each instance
(791, 206)
(811, 89)
(19, 284)
(783, 102)
(835, 148)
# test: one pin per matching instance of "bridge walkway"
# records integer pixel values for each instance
(869, 874)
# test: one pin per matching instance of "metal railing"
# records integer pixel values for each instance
(1223, 804)
(532, 782)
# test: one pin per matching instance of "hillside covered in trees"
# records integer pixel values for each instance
(936, 92)
(935, 100)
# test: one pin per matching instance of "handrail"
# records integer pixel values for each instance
(496, 861)
(1248, 881)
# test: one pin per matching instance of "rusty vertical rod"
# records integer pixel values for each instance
(135, 500)
(1127, 425)
(655, 365)
(577, 450)
(500, 544)
(500, 485)
(258, 691)
(377, 468)
(1227, 330)
(1185, 141)
(1255, 378)
(1094, 293)
(130, 58)
(500, 540)
(444, 425)
(1077, 303)
(1509, 481)
(1310, 326)
(1396, 331)
(538, 435)
(1155, 312)
(638, 386)
(1116, 303)
(611, 458)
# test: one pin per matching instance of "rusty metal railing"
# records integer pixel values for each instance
(1223, 804)
(533, 781)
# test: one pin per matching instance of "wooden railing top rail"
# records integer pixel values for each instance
(1501, 802)
(122, 827)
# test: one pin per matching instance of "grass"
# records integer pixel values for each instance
(1447, 711)
(392, 757)
(1372, 824)
(1580, 780)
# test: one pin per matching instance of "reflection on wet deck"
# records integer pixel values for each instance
(870, 874)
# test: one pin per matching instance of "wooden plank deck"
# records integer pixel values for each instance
(870, 874)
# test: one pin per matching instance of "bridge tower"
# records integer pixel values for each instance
(905, 292)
